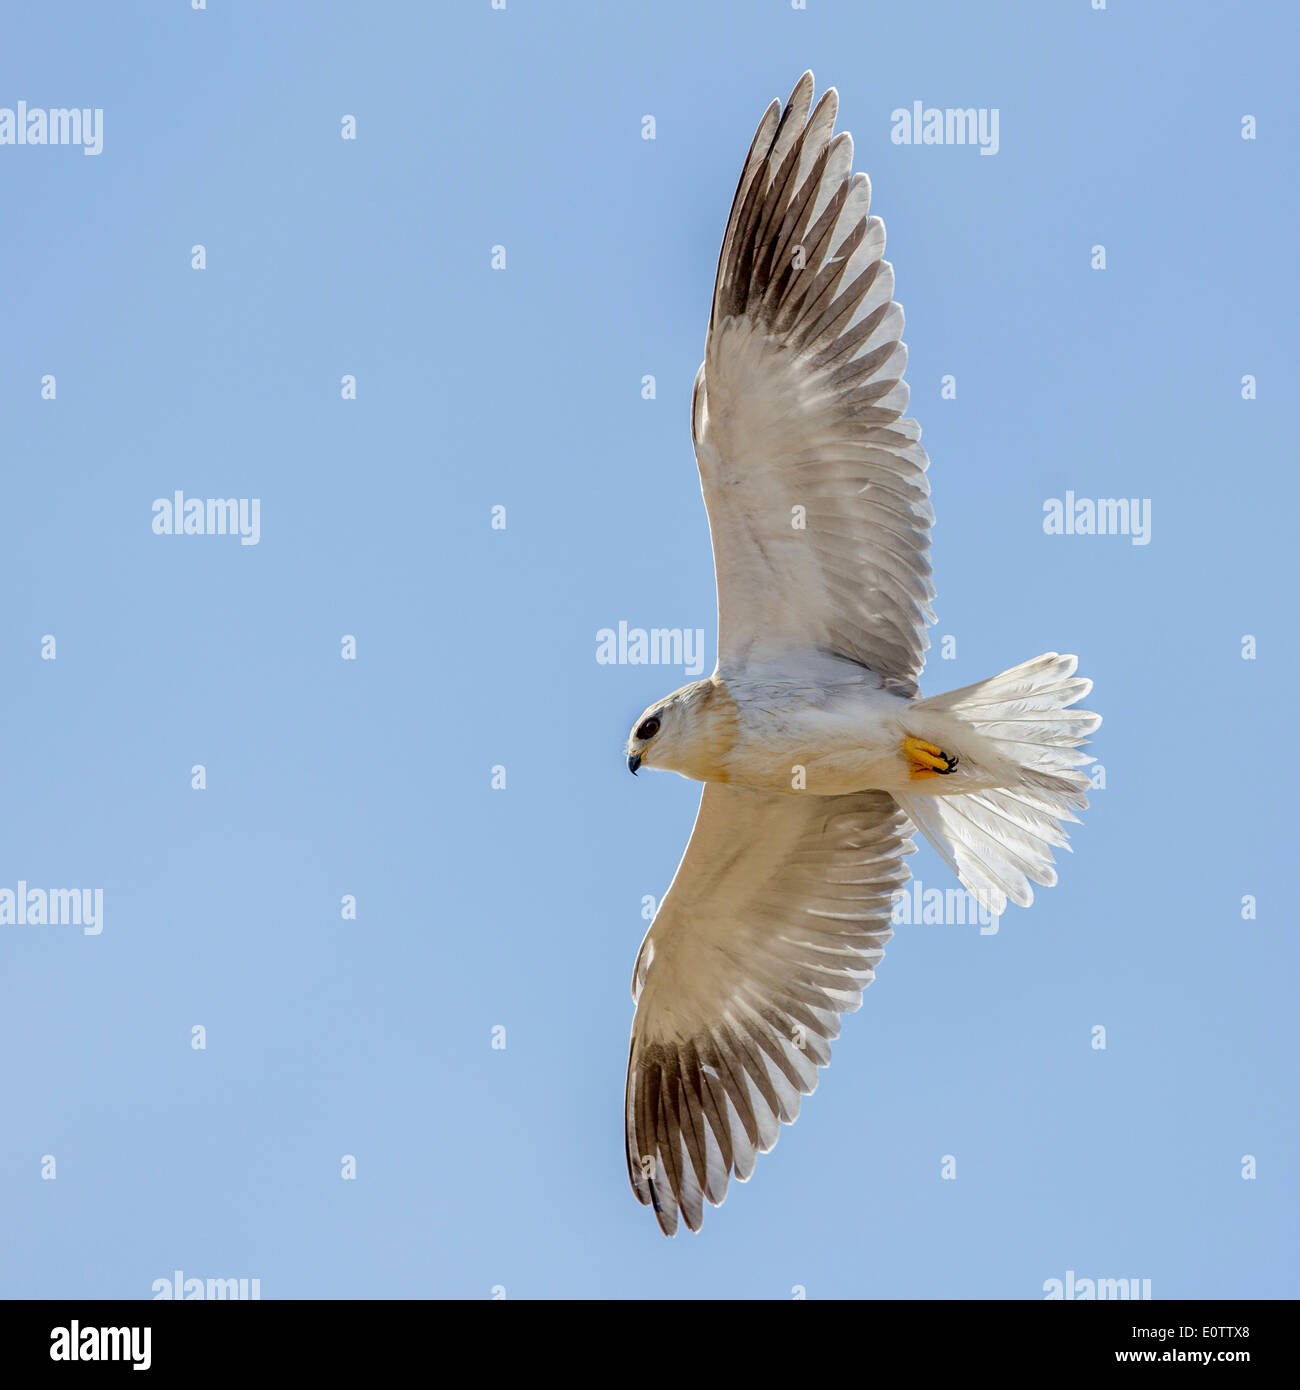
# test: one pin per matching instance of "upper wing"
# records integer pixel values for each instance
(772, 928)
(798, 405)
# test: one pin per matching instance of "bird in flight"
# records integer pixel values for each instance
(817, 752)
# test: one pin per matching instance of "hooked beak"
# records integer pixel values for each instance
(633, 762)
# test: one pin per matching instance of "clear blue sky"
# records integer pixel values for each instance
(522, 388)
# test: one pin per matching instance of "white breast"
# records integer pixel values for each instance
(827, 740)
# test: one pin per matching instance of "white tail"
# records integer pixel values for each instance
(1019, 741)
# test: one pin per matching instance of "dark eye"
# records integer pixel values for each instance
(647, 729)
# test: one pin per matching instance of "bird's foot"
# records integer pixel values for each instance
(926, 759)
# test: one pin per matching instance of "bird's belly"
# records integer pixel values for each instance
(825, 752)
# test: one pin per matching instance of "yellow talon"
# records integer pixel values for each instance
(926, 759)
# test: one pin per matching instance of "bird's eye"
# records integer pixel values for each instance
(647, 729)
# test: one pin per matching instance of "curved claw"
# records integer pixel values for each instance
(926, 759)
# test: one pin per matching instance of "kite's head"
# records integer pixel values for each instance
(648, 728)
(688, 731)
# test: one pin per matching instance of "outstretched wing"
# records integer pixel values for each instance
(815, 485)
(776, 918)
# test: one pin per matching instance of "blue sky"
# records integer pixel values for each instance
(480, 1167)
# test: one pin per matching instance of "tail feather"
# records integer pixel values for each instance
(1020, 740)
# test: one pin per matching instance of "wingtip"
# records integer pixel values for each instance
(665, 1216)
(806, 83)
(827, 108)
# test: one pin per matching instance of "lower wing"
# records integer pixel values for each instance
(776, 918)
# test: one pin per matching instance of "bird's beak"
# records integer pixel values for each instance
(633, 762)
